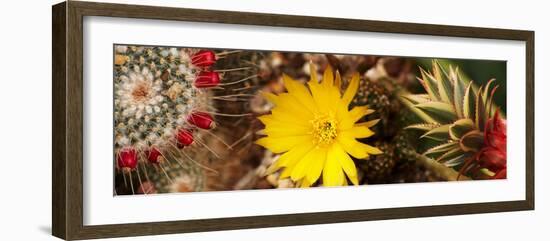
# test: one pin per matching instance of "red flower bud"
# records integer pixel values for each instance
(203, 58)
(153, 155)
(206, 79)
(184, 138)
(127, 159)
(201, 120)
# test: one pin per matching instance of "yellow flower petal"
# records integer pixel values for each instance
(290, 104)
(338, 81)
(320, 95)
(316, 166)
(337, 153)
(355, 115)
(286, 173)
(359, 132)
(303, 167)
(370, 149)
(290, 158)
(282, 144)
(332, 173)
(328, 78)
(358, 112)
(304, 183)
(351, 146)
(351, 90)
(300, 92)
(276, 132)
(269, 120)
(313, 73)
(270, 97)
(286, 116)
(368, 124)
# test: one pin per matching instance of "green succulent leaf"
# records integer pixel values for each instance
(472, 141)
(460, 127)
(421, 114)
(429, 85)
(439, 111)
(459, 96)
(440, 133)
(489, 105)
(422, 127)
(468, 106)
(442, 148)
(480, 111)
(445, 87)
(486, 89)
(487, 98)
(453, 162)
(450, 154)
(416, 99)
(438, 70)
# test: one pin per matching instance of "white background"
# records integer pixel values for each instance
(25, 145)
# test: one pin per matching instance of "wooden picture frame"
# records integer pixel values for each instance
(67, 123)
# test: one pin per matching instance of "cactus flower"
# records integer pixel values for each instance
(315, 131)
(493, 155)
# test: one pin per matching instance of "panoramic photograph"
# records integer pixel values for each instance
(197, 119)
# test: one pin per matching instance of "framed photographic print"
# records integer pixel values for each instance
(171, 120)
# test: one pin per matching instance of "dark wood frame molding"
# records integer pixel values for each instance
(67, 123)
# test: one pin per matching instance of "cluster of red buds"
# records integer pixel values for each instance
(203, 60)
(128, 157)
(206, 78)
(493, 155)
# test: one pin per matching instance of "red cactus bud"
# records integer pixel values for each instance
(206, 79)
(153, 155)
(201, 120)
(127, 159)
(184, 138)
(493, 155)
(203, 58)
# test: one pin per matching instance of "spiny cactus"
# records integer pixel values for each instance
(161, 105)
(378, 98)
(379, 168)
(462, 121)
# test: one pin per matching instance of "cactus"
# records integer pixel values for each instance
(163, 110)
(463, 122)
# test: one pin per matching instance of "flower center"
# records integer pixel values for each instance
(140, 91)
(324, 130)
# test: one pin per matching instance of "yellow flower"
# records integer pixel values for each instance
(315, 132)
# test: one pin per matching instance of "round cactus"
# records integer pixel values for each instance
(159, 92)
